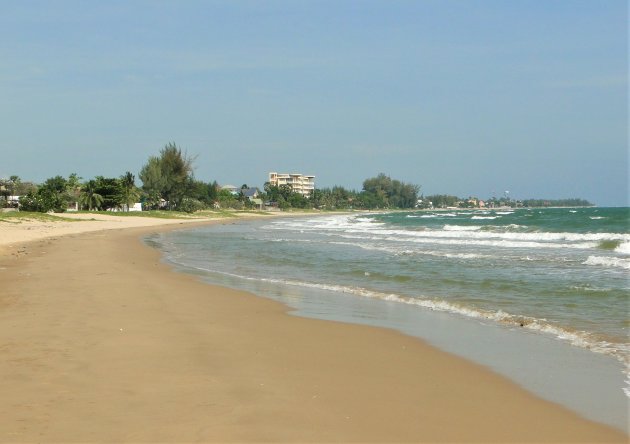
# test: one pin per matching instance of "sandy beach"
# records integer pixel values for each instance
(101, 341)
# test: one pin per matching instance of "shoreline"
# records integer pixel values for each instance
(104, 341)
(589, 383)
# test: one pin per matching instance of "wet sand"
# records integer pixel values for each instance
(100, 341)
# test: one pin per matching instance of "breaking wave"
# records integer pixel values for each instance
(605, 261)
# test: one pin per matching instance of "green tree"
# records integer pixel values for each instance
(177, 170)
(383, 192)
(5, 192)
(443, 200)
(110, 190)
(153, 182)
(14, 183)
(168, 176)
(73, 188)
(128, 191)
(227, 200)
(50, 196)
(89, 197)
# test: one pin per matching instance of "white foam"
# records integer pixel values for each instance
(576, 338)
(623, 248)
(501, 243)
(465, 256)
(364, 225)
(485, 217)
(461, 227)
(363, 229)
(605, 261)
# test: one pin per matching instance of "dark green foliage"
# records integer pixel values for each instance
(167, 177)
(383, 192)
(190, 205)
(111, 190)
(557, 203)
(442, 200)
(152, 182)
(51, 196)
(297, 200)
(128, 191)
(90, 199)
(226, 199)
(206, 193)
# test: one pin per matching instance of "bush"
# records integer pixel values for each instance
(43, 201)
(189, 205)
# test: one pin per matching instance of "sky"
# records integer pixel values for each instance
(463, 97)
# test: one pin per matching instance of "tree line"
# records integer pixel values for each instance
(168, 182)
(446, 201)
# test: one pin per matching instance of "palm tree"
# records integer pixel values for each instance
(89, 197)
(129, 194)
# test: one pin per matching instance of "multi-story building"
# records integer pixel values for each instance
(299, 183)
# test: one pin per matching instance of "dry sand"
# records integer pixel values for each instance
(100, 341)
(17, 231)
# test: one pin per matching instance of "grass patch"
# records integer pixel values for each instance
(153, 213)
(229, 213)
(17, 217)
(161, 214)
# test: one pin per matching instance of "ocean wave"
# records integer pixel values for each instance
(452, 232)
(462, 227)
(623, 248)
(465, 256)
(605, 261)
(352, 224)
(501, 243)
(505, 236)
(484, 217)
(590, 288)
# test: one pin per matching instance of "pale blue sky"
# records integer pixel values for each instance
(460, 97)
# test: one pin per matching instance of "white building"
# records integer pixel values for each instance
(299, 183)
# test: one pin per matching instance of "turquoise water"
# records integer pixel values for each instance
(557, 274)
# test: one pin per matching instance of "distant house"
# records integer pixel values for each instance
(250, 193)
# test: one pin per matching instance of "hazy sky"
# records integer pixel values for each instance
(461, 97)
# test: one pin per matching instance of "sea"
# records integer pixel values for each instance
(540, 296)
